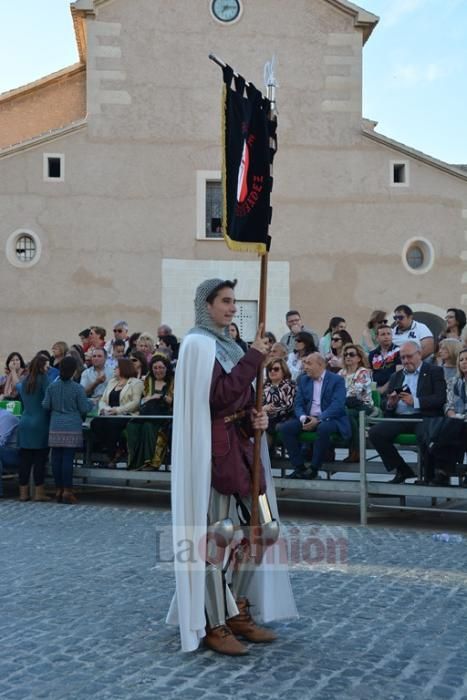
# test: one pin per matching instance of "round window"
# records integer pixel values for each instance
(23, 248)
(418, 255)
(26, 249)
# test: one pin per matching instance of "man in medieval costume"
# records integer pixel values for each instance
(221, 572)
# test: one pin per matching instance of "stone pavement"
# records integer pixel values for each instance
(83, 602)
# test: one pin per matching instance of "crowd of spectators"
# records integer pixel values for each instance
(114, 379)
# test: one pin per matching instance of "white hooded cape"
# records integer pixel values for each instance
(270, 592)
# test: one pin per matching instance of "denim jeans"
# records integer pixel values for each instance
(61, 459)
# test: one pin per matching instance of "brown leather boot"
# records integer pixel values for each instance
(69, 497)
(24, 493)
(221, 639)
(40, 494)
(243, 625)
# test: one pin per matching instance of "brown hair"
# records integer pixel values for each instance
(283, 365)
(360, 352)
(377, 318)
(126, 368)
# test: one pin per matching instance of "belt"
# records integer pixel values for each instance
(235, 417)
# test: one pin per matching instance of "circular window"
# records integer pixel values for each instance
(418, 256)
(26, 249)
(23, 248)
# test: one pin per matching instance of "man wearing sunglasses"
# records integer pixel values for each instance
(416, 391)
(406, 328)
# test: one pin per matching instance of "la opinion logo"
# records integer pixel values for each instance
(249, 186)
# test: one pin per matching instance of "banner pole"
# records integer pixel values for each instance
(263, 283)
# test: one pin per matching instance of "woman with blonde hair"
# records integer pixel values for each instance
(448, 352)
(59, 350)
(146, 344)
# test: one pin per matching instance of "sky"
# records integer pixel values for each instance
(414, 65)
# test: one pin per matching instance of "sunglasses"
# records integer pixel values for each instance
(335, 340)
(119, 330)
(398, 317)
(350, 354)
(134, 359)
(275, 369)
(384, 322)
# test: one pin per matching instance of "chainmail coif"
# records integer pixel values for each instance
(225, 345)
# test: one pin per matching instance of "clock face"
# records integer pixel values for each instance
(225, 10)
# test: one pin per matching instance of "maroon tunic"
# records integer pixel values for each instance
(232, 449)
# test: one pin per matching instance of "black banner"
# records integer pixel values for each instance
(247, 156)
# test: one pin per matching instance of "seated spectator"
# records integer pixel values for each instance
(278, 395)
(97, 337)
(96, 340)
(52, 372)
(169, 346)
(76, 351)
(118, 349)
(59, 350)
(357, 377)
(94, 380)
(132, 342)
(406, 328)
(448, 439)
(164, 329)
(278, 351)
(120, 330)
(148, 441)
(455, 324)
(67, 403)
(33, 430)
(9, 452)
(84, 339)
(121, 397)
(416, 391)
(139, 363)
(335, 358)
(235, 335)
(15, 369)
(146, 344)
(319, 406)
(304, 346)
(369, 339)
(384, 359)
(337, 323)
(456, 402)
(271, 339)
(448, 352)
(295, 325)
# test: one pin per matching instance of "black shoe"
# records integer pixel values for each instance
(298, 472)
(441, 479)
(310, 474)
(401, 476)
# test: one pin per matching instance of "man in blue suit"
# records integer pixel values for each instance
(319, 406)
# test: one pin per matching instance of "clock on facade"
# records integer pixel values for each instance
(225, 10)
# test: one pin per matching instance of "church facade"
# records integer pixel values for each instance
(110, 177)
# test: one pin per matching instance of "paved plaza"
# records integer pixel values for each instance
(83, 603)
